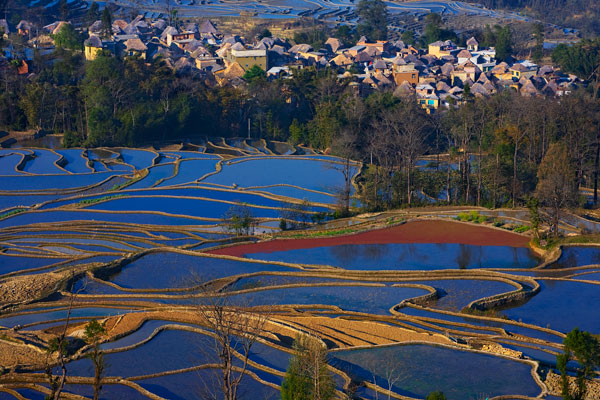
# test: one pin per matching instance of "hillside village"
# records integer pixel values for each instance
(440, 76)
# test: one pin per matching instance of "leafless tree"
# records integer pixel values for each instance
(235, 330)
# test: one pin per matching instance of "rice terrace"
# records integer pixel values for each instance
(154, 263)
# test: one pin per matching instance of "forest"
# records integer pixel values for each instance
(491, 148)
(583, 15)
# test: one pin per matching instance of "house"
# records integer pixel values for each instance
(180, 39)
(4, 28)
(135, 47)
(92, 46)
(333, 45)
(248, 58)
(404, 72)
(382, 46)
(472, 44)
(25, 28)
(523, 70)
(440, 49)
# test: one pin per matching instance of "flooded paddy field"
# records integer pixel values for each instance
(142, 240)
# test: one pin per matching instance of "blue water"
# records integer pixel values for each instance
(422, 369)
(43, 163)
(155, 173)
(575, 256)
(403, 256)
(76, 163)
(373, 300)
(45, 182)
(190, 171)
(139, 159)
(310, 174)
(8, 164)
(163, 270)
(563, 306)
(17, 263)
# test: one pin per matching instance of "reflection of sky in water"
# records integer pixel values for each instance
(407, 256)
(563, 306)
(421, 369)
(577, 256)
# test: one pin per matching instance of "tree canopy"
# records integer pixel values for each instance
(373, 19)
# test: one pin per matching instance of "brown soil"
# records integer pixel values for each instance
(433, 231)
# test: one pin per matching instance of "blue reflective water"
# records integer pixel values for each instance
(562, 306)
(163, 270)
(407, 256)
(575, 256)
(422, 369)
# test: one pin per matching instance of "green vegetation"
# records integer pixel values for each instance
(12, 212)
(307, 376)
(93, 333)
(437, 395)
(585, 348)
(521, 228)
(472, 216)
(373, 19)
(239, 220)
(68, 38)
(315, 234)
(99, 199)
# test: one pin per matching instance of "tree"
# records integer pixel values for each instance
(93, 333)
(253, 74)
(503, 43)
(307, 376)
(68, 38)
(239, 220)
(106, 21)
(556, 187)
(63, 7)
(433, 27)
(538, 35)
(93, 13)
(408, 37)
(373, 19)
(234, 331)
(534, 215)
(437, 395)
(265, 33)
(584, 348)
(345, 147)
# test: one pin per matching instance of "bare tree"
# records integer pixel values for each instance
(60, 345)
(345, 147)
(234, 330)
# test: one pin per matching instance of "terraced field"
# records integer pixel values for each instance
(410, 302)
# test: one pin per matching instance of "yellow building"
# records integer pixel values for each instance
(92, 47)
(440, 49)
(249, 58)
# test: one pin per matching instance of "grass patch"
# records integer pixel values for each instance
(521, 228)
(124, 184)
(7, 338)
(12, 212)
(486, 313)
(472, 216)
(99, 199)
(337, 232)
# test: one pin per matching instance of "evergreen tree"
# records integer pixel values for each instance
(373, 19)
(106, 23)
(307, 377)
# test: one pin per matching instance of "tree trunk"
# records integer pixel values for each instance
(596, 167)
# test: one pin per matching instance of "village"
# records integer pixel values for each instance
(438, 77)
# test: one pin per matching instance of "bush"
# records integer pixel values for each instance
(522, 228)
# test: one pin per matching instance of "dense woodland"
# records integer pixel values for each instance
(492, 148)
(580, 14)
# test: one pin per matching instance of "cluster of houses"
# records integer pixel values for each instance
(440, 76)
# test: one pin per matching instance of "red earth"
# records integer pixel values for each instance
(433, 231)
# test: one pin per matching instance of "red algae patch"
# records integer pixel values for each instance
(427, 231)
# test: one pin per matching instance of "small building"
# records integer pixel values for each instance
(25, 28)
(440, 49)
(248, 58)
(135, 47)
(91, 47)
(472, 44)
(4, 28)
(382, 46)
(523, 70)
